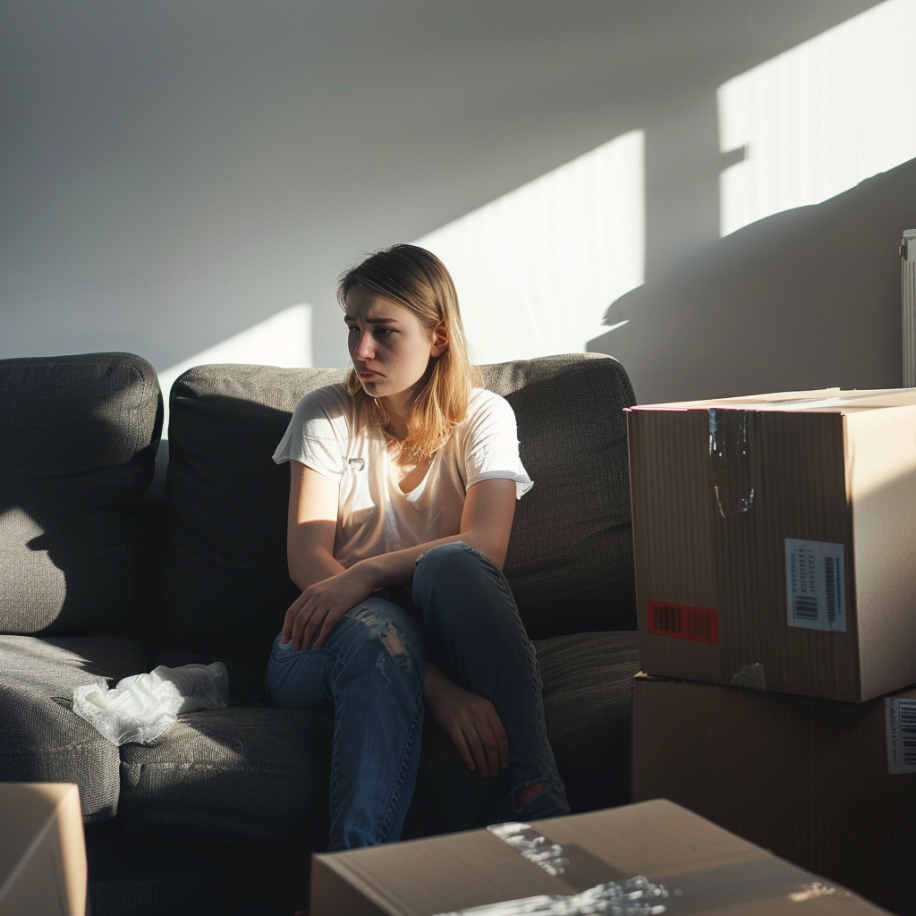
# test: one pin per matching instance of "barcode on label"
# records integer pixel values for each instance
(901, 735)
(815, 586)
(830, 567)
(683, 621)
(804, 608)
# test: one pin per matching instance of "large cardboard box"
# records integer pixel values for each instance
(774, 541)
(668, 860)
(42, 851)
(830, 786)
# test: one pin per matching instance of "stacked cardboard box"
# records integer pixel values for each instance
(42, 853)
(651, 858)
(773, 540)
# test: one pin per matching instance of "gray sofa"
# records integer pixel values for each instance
(118, 552)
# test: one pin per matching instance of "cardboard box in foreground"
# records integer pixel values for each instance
(702, 868)
(830, 786)
(42, 850)
(773, 540)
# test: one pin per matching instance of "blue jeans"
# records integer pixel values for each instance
(369, 676)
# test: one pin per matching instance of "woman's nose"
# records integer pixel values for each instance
(364, 347)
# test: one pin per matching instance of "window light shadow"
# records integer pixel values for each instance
(820, 118)
(536, 268)
(284, 340)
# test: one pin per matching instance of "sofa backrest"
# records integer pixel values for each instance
(570, 559)
(78, 437)
(224, 572)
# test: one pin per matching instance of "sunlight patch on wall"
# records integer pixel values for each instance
(820, 118)
(537, 268)
(283, 340)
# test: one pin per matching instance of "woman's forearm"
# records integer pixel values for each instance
(315, 566)
(397, 568)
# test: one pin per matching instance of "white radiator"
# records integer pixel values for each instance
(908, 275)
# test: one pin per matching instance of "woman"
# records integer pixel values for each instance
(407, 476)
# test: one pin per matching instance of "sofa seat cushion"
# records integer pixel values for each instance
(588, 705)
(241, 773)
(43, 739)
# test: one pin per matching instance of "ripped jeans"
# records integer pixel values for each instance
(369, 676)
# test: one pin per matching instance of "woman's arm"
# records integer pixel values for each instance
(311, 526)
(486, 523)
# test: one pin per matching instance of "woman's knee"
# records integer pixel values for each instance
(446, 564)
(455, 585)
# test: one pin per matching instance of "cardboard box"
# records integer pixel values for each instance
(42, 850)
(773, 540)
(685, 863)
(830, 786)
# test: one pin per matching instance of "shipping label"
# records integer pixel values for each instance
(900, 716)
(684, 621)
(815, 585)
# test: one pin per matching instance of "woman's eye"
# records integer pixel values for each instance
(383, 332)
(352, 328)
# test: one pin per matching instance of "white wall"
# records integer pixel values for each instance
(180, 173)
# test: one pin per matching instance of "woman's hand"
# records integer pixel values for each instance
(316, 611)
(470, 721)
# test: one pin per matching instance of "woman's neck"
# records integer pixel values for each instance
(398, 410)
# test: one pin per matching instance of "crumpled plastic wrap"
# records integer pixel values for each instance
(143, 706)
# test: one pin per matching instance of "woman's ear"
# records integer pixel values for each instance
(440, 340)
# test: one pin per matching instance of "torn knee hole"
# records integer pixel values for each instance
(384, 630)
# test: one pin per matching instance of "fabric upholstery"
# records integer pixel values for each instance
(570, 558)
(77, 451)
(42, 739)
(228, 774)
(238, 796)
(224, 564)
(588, 704)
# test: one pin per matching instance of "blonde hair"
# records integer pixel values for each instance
(417, 280)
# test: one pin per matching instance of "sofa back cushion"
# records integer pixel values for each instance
(224, 570)
(570, 560)
(78, 437)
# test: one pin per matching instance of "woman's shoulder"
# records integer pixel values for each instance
(484, 402)
(329, 402)
(484, 396)
(319, 428)
(488, 414)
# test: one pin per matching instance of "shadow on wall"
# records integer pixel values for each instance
(808, 298)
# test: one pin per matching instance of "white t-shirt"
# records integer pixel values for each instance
(374, 515)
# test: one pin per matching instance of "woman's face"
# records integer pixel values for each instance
(389, 348)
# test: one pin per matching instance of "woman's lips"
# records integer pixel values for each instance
(367, 374)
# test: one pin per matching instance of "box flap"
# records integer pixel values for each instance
(826, 399)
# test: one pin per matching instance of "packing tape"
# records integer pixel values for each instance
(766, 878)
(729, 462)
(751, 676)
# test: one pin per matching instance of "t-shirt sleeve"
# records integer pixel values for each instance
(316, 434)
(491, 444)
